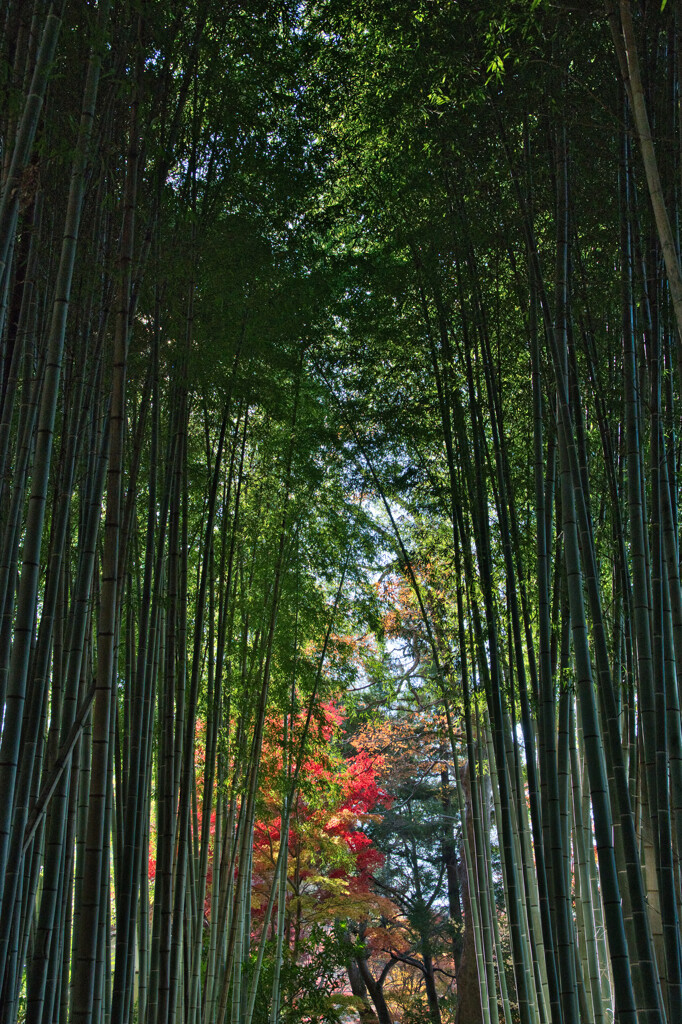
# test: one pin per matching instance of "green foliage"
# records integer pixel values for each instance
(311, 984)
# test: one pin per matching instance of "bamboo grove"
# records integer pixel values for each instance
(340, 384)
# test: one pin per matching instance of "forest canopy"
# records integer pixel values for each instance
(340, 596)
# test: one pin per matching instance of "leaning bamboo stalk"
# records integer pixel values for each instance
(574, 514)
(26, 131)
(25, 42)
(535, 1000)
(283, 853)
(486, 987)
(159, 973)
(509, 538)
(528, 872)
(224, 863)
(27, 597)
(209, 984)
(235, 943)
(24, 340)
(623, 33)
(135, 799)
(491, 672)
(89, 954)
(584, 905)
(215, 681)
(290, 801)
(134, 866)
(10, 541)
(481, 900)
(185, 785)
(665, 870)
(33, 725)
(499, 959)
(56, 831)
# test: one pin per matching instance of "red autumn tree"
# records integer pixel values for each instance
(331, 859)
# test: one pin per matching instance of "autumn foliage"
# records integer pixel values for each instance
(331, 858)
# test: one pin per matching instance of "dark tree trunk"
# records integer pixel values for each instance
(359, 990)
